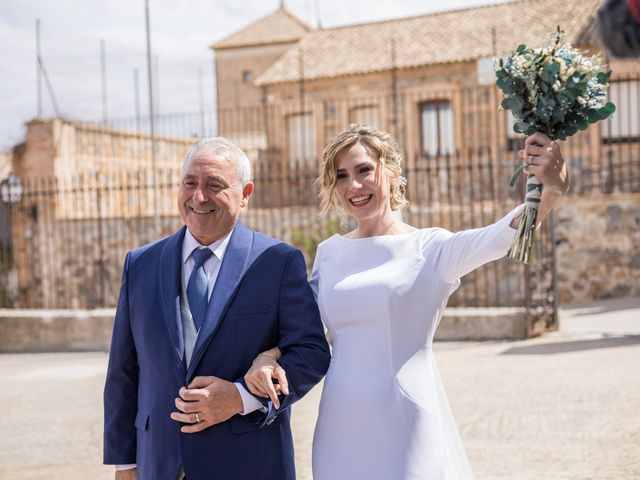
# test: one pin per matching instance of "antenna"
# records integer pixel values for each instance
(318, 16)
(38, 72)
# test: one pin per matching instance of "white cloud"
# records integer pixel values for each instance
(182, 31)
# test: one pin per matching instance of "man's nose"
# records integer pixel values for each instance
(198, 196)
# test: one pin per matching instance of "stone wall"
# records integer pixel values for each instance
(598, 247)
(34, 331)
(6, 157)
(30, 331)
(56, 147)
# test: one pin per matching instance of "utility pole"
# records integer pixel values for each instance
(201, 98)
(136, 97)
(103, 76)
(156, 217)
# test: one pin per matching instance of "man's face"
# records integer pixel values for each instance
(211, 196)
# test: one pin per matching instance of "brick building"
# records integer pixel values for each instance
(427, 79)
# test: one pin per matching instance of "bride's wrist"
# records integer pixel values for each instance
(267, 355)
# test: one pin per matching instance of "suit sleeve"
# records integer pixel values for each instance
(121, 386)
(305, 352)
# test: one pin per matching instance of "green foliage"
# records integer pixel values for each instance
(556, 90)
(307, 237)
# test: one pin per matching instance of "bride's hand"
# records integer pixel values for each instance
(263, 371)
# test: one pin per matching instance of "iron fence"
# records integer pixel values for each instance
(69, 235)
(69, 232)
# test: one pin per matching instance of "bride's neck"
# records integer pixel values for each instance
(387, 224)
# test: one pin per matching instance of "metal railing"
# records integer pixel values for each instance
(69, 235)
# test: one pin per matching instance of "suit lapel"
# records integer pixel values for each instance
(169, 282)
(234, 265)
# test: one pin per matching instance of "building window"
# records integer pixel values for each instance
(365, 114)
(247, 76)
(301, 139)
(624, 124)
(436, 126)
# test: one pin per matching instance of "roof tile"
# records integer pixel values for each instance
(278, 27)
(446, 37)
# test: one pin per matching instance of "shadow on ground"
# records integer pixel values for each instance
(601, 307)
(574, 346)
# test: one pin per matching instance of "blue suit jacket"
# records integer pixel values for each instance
(261, 299)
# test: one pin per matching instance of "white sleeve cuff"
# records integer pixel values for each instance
(249, 402)
(126, 467)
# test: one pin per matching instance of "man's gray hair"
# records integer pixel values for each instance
(226, 149)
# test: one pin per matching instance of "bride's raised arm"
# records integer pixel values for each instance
(456, 254)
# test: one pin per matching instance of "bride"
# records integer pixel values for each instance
(382, 289)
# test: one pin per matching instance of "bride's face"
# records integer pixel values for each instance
(362, 184)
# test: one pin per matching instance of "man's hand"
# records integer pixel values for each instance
(128, 474)
(206, 401)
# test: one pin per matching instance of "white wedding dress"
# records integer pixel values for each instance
(383, 413)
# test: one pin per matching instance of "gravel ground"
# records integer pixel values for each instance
(564, 406)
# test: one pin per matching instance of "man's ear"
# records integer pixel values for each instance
(247, 190)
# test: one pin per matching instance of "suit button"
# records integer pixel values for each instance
(270, 421)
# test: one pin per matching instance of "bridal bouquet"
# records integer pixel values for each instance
(556, 90)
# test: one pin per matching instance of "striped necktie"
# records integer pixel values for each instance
(197, 293)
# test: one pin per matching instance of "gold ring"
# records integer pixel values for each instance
(197, 418)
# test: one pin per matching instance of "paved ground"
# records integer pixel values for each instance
(560, 407)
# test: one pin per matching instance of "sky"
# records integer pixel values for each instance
(71, 32)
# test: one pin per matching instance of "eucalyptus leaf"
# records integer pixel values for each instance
(609, 108)
(603, 77)
(593, 116)
(514, 103)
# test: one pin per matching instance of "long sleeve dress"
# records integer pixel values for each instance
(383, 413)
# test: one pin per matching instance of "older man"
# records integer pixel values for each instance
(195, 309)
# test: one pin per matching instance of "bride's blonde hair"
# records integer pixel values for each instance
(381, 146)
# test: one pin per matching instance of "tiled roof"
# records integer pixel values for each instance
(446, 37)
(279, 27)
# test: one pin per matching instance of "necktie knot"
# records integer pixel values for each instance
(201, 255)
